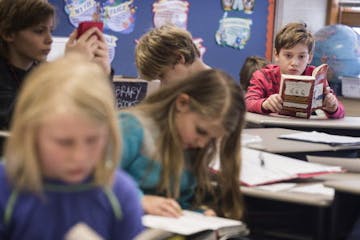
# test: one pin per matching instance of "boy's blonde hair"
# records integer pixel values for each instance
(214, 95)
(292, 34)
(71, 83)
(163, 47)
(17, 15)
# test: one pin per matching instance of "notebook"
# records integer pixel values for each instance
(260, 168)
(193, 223)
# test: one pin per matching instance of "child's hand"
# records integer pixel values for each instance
(92, 44)
(161, 206)
(210, 213)
(101, 54)
(273, 103)
(330, 103)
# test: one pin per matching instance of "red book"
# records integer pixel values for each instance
(84, 26)
(303, 94)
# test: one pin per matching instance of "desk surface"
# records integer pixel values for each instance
(271, 143)
(290, 197)
(319, 200)
(351, 123)
(349, 186)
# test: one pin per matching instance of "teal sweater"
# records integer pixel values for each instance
(145, 171)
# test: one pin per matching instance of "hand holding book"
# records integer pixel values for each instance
(274, 103)
(303, 94)
(330, 103)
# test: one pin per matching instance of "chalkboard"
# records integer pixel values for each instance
(203, 22)
(129, 92)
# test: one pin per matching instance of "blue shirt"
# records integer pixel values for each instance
(146, 171)
(113, 214)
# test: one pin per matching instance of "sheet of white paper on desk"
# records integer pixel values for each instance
(320, 137)
(276, 168)
(350, 164)
(249, 138)
(317, 188)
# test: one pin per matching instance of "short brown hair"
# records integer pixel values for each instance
(162, 47)
(292, 34)
(251, 64)
(16, 15)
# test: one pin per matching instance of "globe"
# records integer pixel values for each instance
(338, 46)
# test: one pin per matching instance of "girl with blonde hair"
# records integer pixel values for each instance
(61, 158)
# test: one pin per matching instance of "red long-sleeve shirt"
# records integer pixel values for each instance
(266, 82)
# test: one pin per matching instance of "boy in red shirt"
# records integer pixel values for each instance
(293, 53)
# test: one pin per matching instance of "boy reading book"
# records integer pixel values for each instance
(293, 52)
(301, 94)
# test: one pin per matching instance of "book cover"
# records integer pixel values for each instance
(193, 224)
(303, 94)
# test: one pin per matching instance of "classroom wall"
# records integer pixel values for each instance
(203, 22)
(313, 13)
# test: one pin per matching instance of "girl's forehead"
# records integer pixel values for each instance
(215, 126)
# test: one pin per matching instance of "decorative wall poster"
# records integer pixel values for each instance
(171, 11)
(174, 12)
(117, 16)
(248, 6)
(238, 5)
(233, 32)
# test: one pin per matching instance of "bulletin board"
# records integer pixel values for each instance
(203, 21)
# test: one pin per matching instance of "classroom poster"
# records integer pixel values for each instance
(202, 25)
(117, 16)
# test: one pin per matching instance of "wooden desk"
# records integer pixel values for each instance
(348, 126)
(345, 208)
(271, 143)
(311, 210)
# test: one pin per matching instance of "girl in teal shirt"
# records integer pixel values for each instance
(171, 138)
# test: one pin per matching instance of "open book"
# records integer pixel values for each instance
(196, 224)
(260, 168)
(303, 94)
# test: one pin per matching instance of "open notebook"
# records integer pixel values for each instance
(263, 168)
(193, 223)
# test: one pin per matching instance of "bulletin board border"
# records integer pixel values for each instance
(270, 30)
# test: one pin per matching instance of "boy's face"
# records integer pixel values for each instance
(293, 60)
(31, 44)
